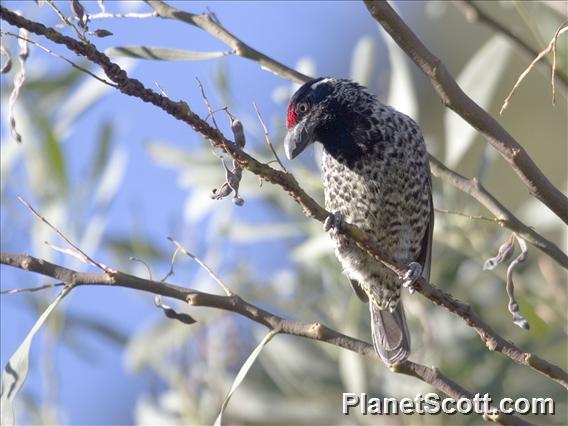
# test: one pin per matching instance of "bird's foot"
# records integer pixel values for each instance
(333, 222)
(412, 274)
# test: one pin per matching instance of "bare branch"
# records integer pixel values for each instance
(473, 13)
(57, 55)
(82, 255)
(468, 216)
(267, 138)
(207, 23)
(129, 15)
(19, 79)
(234, 303)
(204, 266)
(454, 98)
(181, 111)
(65, 21)
(474, 188)
(551, 47)
(31, 289)
(207, 104)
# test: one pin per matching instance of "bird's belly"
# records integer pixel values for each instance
(379, 211)
(383, 209)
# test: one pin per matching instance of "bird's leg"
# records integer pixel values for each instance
(333, 224)
(333, 221)
(412, 274)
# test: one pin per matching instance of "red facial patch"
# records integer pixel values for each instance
(291, 117)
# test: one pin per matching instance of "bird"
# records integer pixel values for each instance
(376, 175)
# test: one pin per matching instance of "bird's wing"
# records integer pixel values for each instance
(359, 291)
(425, 256)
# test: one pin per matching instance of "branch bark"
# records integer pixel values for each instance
(454, 98)
(181, 111)
(208, 23)
(509, 220)
(474, 188)
(234, 303)
(473, 13)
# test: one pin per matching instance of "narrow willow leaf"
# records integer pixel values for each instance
(505, 252)
(363, 60)
(16, 370)
(478, 79)
(53, 153)
(19, 79)
(104, 141)
(513, 306)
(243, 372)
(162, 53)
(402, 93)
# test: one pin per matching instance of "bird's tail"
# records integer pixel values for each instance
(390, 334)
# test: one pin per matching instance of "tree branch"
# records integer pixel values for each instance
(454, 98)
(181, 111)
(505, 217)
(473, 12)
(474, 188)
(209, 23)
(234, 303)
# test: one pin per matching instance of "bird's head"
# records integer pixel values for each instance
(324, 110)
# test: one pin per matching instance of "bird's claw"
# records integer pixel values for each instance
(333, 221)
(412, 274)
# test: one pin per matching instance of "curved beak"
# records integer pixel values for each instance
(297, 139)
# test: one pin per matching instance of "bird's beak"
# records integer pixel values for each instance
(297, 139)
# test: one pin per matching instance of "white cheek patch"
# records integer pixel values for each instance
(317, 83)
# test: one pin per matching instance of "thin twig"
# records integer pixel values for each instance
(453, 97)
(161, 90)
(207, 104)
(505, 217)
(57, 55)
(207, 23)
(31, 289)
(204, 266)
(19, 79)
(172, 261)
(84, 255)
(68, 251)
(473, 12)
(129, 15)
(267, 138)
(551, 47)
(488, 219)
(66, 21)
(137, 259)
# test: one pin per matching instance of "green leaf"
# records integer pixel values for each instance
(243, 372)
(16, 370)
(54, 155)
(134, 246)
(479, 80)
(102, 150)
(402, 93)
(162, 53)
(363, 60)
(46, 85)
(243, 233)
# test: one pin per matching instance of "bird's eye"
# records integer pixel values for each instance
(302, 107)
